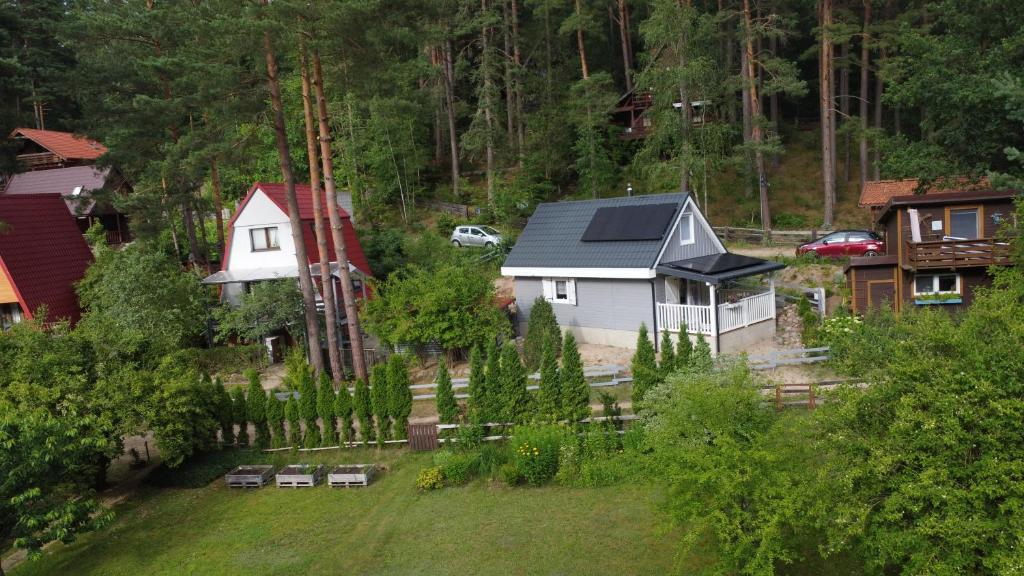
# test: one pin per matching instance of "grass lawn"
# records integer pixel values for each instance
(387, 528)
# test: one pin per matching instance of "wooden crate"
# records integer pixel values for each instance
(300, 476)
(256, 476)
(348, 475)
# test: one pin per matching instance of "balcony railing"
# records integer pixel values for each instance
(731, 315)
(958, 253)
(39, 160)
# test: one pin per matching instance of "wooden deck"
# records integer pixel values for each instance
(957, 253)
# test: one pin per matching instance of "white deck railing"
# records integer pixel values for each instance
(672, 316)
(750, 310)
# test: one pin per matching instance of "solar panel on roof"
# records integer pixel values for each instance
(715, 263)
(623, 223)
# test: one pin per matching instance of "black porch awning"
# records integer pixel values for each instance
(717, 268)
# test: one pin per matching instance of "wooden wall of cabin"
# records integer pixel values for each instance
(7, 295)
(970, 280)
(872, 288)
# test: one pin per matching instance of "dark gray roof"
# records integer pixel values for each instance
(717, 268)
(62, 181)
(552, 237)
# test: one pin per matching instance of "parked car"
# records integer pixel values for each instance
(844, 243)
(475, 235)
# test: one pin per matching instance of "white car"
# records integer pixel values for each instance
(475, 235)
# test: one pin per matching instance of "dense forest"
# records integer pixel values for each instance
(506, 103)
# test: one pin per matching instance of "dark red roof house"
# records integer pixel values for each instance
(42, 256)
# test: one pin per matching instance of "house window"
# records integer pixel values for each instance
(560, 290)
(10, 314)
(963, 223)
(937, 284)
(264, 239)
(686, 229)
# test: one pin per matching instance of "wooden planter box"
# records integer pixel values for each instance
(351, 475)
(256, 476)
(300, 476)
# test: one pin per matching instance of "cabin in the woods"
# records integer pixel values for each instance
(607, 266)
(63, 163)
(939, 247)
(631, 114)
(260, 247)
(42, 256)
(875, 194)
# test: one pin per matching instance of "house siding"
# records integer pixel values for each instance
(600, 303)
(705, 244)
(7, 295)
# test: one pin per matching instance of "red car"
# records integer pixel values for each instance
(844, 243)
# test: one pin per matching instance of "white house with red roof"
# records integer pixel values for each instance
(260, 247)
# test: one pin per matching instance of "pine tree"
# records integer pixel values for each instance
(644, 367)
(399, 395)
(549, 398)
(275, 419)
(668, 355)
(362, 405)
(256, 409)
(238, 409)
(307, 411)
(542, 324)
(491, 398)
(291, 414)
(379, 401)
(515, 399)
(325, 409)
(575, 390)
(684, 348)
(701, 361)
(476, 405)
(343, 409)
(225, 414)
(447, 406)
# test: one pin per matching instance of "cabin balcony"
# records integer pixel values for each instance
(738, 310)
(951, 253)
(40, 160)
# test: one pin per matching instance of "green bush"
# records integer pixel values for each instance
(201, 469)
(535, 452)
(457, 468)
(430, 479)
(232, 359)
(542, 324)
(789, 221)
(446, 223)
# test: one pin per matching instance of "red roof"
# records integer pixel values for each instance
(304, 196)
(64, 144)
(878, 192)
(43, 253)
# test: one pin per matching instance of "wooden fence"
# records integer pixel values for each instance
(805, 395)
(777, 358)
(758, 236)
(453, 208)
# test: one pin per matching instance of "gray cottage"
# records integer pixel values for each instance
(609, 265)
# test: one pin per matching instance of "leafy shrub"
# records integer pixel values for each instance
(787, 220)
(457, 468)
(205, 467)
(809, 325)
(446, 223)
(430, 479)
(535, 452)
(232, 359)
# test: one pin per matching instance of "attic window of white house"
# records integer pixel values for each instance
(560, 290)
(686, 229)
(264, 239)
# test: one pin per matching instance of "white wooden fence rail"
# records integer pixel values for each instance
(750, 310)
(672, 316)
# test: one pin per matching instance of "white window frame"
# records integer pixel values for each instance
(935, 284)
(684, 218)
(551, 294)
(266, 236)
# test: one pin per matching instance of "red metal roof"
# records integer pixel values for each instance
(43, 253)
(64, 144)
(878, 192)
(304, 196)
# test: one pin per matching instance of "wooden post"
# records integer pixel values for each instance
(778, 397)
(810, 397)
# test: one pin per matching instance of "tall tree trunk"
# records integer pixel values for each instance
(487, 103)
(826, 108)
(844, 105)
(326, 279)
(879, 90)
(865, 57)
(773, 100)
(510, 92)
(755, 124)
(285, 162)
(190, 232)
(218, 206)
(747, 120)
(627, 57)
(449, 98)
(579, 40)
(348, 296)
(517, 59)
